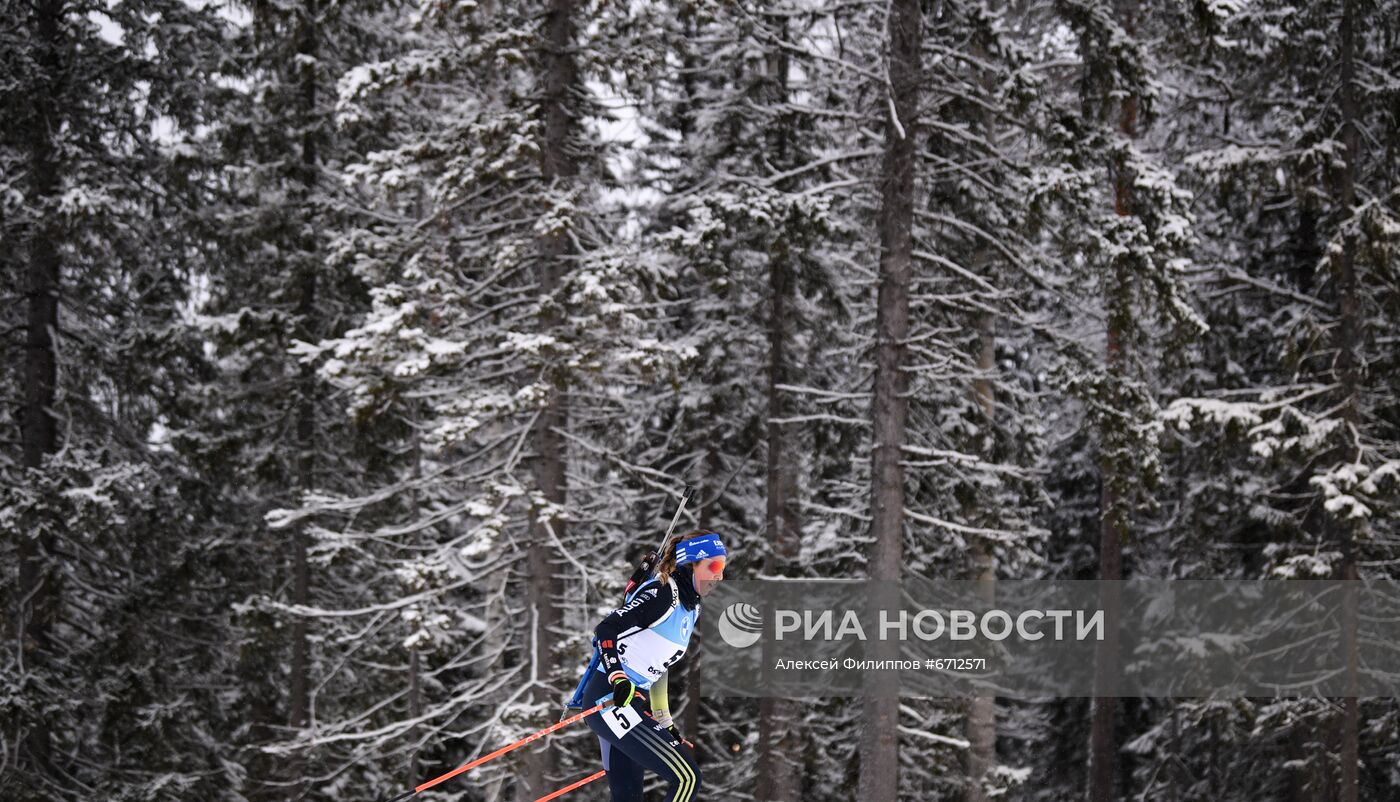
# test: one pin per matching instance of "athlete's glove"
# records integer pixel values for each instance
(623, 690)
(677, 735)
(663, 717)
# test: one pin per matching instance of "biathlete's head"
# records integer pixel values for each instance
(704, 552)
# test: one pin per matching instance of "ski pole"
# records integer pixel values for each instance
(484, 758)
(568, 788)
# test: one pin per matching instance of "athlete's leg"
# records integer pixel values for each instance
(643, 744)
(649, 745)
(624, 774)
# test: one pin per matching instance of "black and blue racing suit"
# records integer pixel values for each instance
(641, 640)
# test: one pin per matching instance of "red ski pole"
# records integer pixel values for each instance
(485, 758)
(566, 789)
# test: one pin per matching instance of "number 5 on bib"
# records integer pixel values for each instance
(621, 720)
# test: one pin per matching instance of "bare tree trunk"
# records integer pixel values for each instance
(415, 709)
(775, 767)
(1103, 742)
(39, 593)
(782, 519)
(879, 746)
(685, 114)
(308, 329)
(559, 169)
(548, 469)
(982, 710)
(776, 780)
(1349, 374)
(415, 692)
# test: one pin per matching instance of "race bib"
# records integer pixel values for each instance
(621, 720)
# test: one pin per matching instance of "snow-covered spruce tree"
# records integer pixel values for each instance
(974, 427)
(1293, 107)
(1302, 215)
(276, 432)
(1127, 225)
(975, 431)
(111, 687)
(508, 344)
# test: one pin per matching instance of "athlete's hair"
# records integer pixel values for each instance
(668, 562)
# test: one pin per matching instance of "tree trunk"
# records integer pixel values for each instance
(690, 103)
(1103, 745)
(308, 329)
(38, 581)
(415, 709)
(1103, 742)
(415, 690)
(879, 746)
(775, 767)
(782, 524)
(558, 168)
(776, 780)
(982, 710)
(1349, 375)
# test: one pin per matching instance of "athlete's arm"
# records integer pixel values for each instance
(646, 608)
(660, 704)
(661, 709)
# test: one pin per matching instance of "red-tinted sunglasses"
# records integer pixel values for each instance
(713, 566)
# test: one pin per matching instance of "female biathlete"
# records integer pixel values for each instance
(637, 644)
